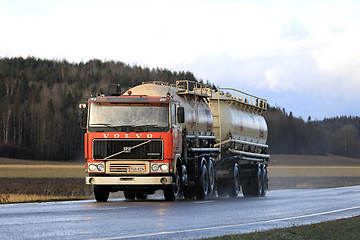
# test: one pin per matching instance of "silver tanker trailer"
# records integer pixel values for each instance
(182, 138)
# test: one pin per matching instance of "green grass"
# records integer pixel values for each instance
(339, 229)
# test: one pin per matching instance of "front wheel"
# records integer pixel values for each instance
(101, 193)
(171, 191)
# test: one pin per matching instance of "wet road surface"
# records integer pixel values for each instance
(158, 219)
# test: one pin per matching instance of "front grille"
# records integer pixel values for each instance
(127, 168)
(125, 149)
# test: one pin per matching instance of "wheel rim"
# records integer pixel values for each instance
(205, 180)
(260, 182)
(211, 176)
(236, 181)
(176, 186)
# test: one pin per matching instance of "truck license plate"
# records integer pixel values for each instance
(137, 169)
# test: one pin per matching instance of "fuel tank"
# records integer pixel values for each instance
(224, 115)
(200, 122)
(240, 118)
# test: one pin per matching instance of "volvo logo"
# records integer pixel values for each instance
(127, 135)
(127, 149)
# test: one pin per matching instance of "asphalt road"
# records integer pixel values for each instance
(157, 219)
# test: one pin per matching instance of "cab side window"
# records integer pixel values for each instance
(173, 114)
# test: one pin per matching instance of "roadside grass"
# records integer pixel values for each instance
(25, 198)
(339, 229)
(314, 171)
(14, 168)
(12, 161)
(42, 171)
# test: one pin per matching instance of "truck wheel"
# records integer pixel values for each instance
(101, 193)
(203, 184)
(265, 185)
(171, 191)
(211, 176)
(129, 195)
(234, 183)
(257, 183)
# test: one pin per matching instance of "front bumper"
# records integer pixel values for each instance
(129, 180)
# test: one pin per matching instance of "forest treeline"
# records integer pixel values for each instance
(39, 114)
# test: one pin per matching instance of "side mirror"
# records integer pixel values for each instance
(181, 115)
(83, 115)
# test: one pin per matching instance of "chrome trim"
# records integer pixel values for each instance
(129, 180)
(258, 155)
(203, 149)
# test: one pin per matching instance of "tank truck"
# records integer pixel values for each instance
(184, 139)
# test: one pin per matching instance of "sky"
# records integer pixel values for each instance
(301, 55)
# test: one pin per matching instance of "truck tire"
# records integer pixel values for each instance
(265, 185)
(253, 186)
(257, 182)
(171, 191)
(101, 193)
(211, 176)
(246, 187)
(234, 183)
(203, 184)
(129, 195)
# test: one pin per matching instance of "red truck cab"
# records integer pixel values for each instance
(131, 145)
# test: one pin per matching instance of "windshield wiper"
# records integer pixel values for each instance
(106, 125)
(146, 125)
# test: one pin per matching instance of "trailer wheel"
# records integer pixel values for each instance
(129, 195)
(253, 186)
(256, 183)
(246, 187)
(234, 183)
(203, 184)
(211, 176)
(101, 193)
(171, 191)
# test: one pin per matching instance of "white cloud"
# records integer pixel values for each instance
(276, 46)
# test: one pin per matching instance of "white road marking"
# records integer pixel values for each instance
(229, 226)
(201, 202)
(102, 209)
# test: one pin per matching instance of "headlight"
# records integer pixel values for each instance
(154, 167)
(92, 168)
(101, 167)
(96, 167)
(164, 168)
(160, 167)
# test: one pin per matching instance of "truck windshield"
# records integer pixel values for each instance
(128, 116)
